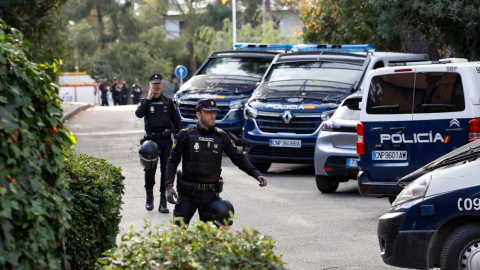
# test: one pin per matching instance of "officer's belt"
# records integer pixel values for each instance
(158, 135)
(199, 186)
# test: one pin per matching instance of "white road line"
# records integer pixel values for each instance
(110, 133)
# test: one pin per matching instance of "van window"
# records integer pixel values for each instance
(438, 92)
(349, 110)
(391, 94)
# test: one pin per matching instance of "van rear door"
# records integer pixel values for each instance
(440, 122)
(389, 145)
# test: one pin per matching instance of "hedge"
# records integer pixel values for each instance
(204, 246)
(33, 198)
(97, 188)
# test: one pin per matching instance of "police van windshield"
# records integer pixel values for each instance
(241, 66)
(329, 71)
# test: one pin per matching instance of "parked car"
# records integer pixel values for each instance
(336, 158)
(435, 220)
(411, 114)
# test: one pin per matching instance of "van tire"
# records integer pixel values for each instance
(326, 184)
(458, 244)
(262, 167)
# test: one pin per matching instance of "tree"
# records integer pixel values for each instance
(211, 40)
(132, 60)
(42, 24)
(425, 26)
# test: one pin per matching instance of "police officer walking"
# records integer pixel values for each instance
(161, 122)
(104, 90)
(124, 92)
(202, 146)
(115, 92)
(136, 91)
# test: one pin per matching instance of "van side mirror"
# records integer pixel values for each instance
(360, 104)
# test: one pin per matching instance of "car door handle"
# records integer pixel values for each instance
(398, 128)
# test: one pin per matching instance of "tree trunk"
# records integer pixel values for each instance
(101, 27)
(268, 7)
(416, 42)
(193, 64)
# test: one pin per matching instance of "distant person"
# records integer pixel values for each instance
(104, 90)
(176, 82)
(115, 91)
(124, 92)
(136, 92)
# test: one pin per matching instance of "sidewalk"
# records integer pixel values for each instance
(72, 108)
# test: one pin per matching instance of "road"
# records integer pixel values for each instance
(312, 230)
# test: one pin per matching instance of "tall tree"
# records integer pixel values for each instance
(42, 25)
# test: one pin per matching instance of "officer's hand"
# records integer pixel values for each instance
(150, 93)
(262, 180)
(170, 193)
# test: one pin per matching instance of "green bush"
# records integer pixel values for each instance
(203, 247)
(33, 198)
(98, 188)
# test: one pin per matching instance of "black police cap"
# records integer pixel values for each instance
(114, 78)
(156, 78)
(207, 105)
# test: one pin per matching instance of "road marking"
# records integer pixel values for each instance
(109, 133)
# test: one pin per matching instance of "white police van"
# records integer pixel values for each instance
(435, 220)
(411, 114)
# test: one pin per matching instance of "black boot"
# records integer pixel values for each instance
(162, 208)
(149, 203)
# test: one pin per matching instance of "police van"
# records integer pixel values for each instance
(412, 113)
(435, 220)
(229, 77)
(284, 115)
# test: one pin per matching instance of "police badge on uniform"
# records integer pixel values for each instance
(196, 146)
(151, 109)
(215, 146)
(174, 144)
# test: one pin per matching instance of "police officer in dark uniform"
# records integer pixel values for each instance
(202, 146)
(161, 122)
(104, 90)
(136, 91)
(115, 92)
(124, 92)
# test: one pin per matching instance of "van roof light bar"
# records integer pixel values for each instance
(263, 47)
(335, 47)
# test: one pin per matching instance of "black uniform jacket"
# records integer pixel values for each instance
(103, 89)
(174, 117)
(181, 146)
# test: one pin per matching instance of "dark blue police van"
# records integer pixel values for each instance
(284, 115)
(411, 114)
(435, 220)
(229, 77)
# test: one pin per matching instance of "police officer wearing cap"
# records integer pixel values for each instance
(115, 92)
(136, 91)
(202, 146)
(104, 90)
(161, 122)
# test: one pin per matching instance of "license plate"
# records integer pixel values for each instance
(353, 162)
(285, 143)
(389, 155)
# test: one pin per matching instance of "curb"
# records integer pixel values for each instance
(69, 115)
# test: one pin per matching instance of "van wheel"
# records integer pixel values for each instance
(326, 184)
(391, 199)
(462, 248)
(262, 167)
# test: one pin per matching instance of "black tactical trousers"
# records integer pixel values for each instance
(165, 147)
(187, 205)
(104, 101)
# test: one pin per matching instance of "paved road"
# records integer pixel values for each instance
(312, 230)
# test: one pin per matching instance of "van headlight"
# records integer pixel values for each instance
(238, 104)
(250, 113)
(416, 189)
